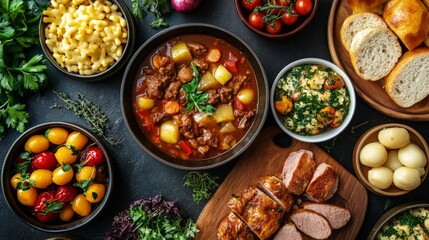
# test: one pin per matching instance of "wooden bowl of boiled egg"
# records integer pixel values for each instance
(391, 159)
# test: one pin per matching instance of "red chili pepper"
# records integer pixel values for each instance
(186, 147)
(238, 104)
(230, 65)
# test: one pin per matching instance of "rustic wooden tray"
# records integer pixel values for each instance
(371, 92)
(263, 158)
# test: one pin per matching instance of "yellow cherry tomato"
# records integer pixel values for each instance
(81, 206)
(27, 197)
(95, 192)
(65, 155)
(86, 173)
(57, 135)
(62, 175)
(41, 178)
(36, 144)
(77, 139)
(17, 178)
(66, 213)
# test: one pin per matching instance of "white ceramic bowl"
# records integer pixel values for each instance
(331, 132)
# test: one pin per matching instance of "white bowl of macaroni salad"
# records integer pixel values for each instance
(87, 39)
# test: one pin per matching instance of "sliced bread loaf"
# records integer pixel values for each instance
(358, 22)
(374, 52)
(408, 83)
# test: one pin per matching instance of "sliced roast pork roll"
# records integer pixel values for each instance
(311, 223)
(336, 215)
(288, 232)
(298, 170)
(276, 189)
(232, 228)
(261, 213)
(323, 184)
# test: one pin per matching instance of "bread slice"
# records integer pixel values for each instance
(408, 83)
(374, 53)
(358, 22)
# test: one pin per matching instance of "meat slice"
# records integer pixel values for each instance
(244, 116)
(288, 232)
(236, 82)
(225, 94)
(153, 86)
(323, 184)
(276, 189)
(196, 49)
(298, 171)
(336, 215)
(173, 90)
(232, 228)
(262, 214)
(208, 138)
(186, 125)
(311, 223)
(185, 74)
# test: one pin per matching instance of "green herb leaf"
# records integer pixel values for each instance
(197, 99)
(202, 185)
(158, 8)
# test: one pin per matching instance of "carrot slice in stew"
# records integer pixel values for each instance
(156, 61)
(213, 55)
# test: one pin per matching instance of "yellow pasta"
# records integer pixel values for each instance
(85, 36)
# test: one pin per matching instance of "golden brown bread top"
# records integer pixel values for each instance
(374, 6)
(409, 20)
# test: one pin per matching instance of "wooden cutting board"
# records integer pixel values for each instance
(263, 158)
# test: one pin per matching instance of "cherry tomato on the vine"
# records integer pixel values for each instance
(283, 3)
(46, 207)
(290, 18)
(303, 7)
(93, 156)
(255, 20)
(65, 193)
(251, 4)
(44, 160)
(274, 27)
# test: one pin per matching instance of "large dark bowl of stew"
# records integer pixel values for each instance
(194, 96)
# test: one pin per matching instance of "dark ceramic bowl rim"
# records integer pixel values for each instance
(385, 218)
(195, 26)
(126, 55)
(22, 214)
(297, 29)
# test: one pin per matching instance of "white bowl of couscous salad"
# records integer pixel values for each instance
(312, 100)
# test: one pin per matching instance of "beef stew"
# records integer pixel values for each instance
(195, 96)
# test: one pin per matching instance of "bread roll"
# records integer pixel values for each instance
(374, 6)
(374, 52)
(409, 20)
(408, 83)
(358, 22)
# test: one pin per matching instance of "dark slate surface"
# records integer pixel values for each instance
(139, 176)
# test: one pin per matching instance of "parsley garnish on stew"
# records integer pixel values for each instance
(197, 98)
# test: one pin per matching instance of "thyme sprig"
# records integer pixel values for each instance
(92, 113)
(202, 185)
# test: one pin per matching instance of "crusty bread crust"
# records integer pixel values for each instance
(409, 20)
(408, 83)
(358, 22)
(374, 52)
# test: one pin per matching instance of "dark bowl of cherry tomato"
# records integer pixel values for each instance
(57, 177)
(276, 18)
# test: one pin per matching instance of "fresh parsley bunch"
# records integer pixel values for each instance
(196, 98)
(19, 28)
(159, 8)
